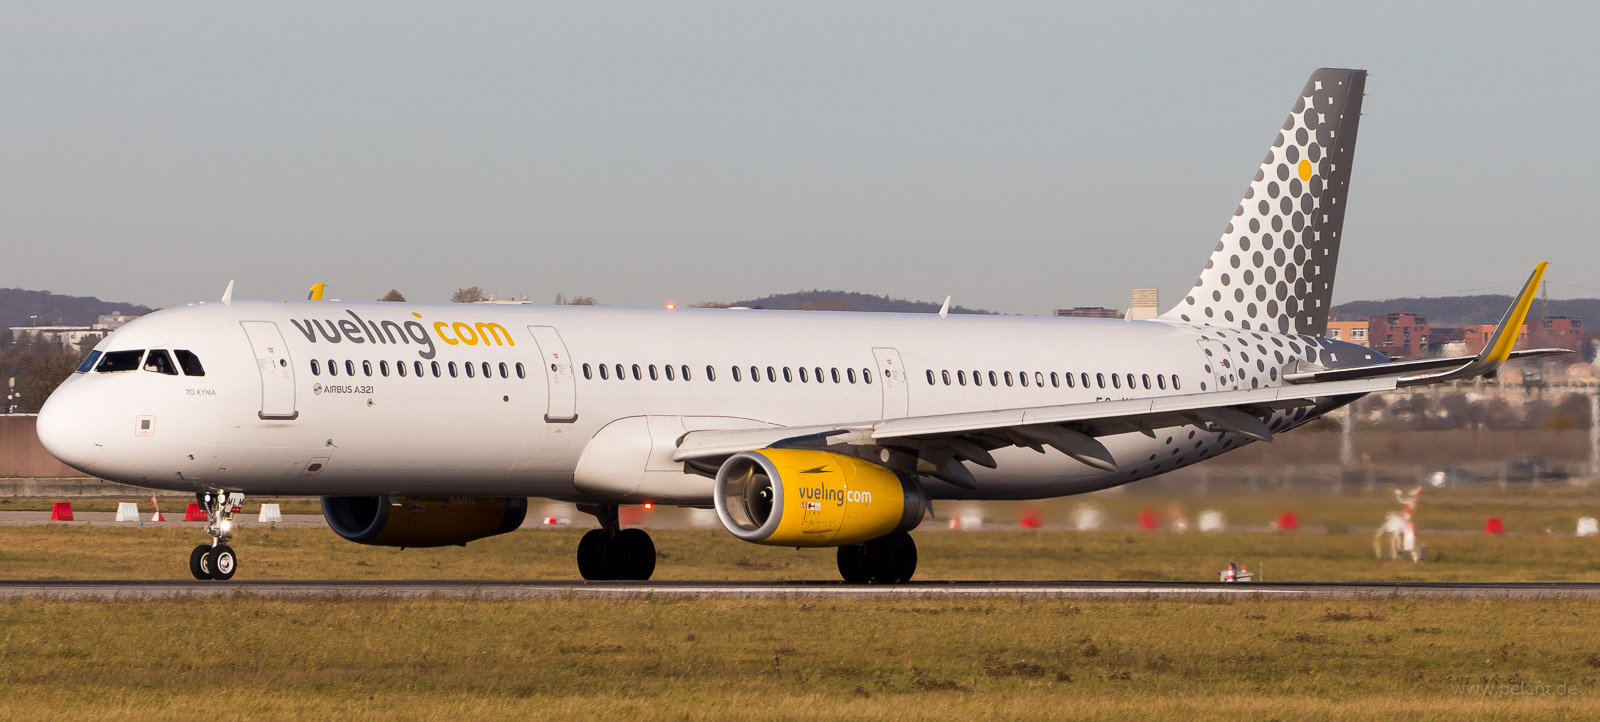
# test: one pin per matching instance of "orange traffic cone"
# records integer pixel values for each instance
(1287, 521)
(1148, 520)
(61, 511)
(1494, 526)
(194, 513)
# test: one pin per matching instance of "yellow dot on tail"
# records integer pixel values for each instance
(1305, 170)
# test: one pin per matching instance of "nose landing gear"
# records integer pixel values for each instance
(216, 561)
(614, 553)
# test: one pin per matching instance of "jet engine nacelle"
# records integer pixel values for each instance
(810, 498)
(421, 521)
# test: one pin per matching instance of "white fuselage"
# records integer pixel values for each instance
(269, 416)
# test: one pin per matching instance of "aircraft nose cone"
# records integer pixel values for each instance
(72, 426)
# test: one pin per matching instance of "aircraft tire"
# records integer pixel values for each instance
(852, 564)
(892, 559)
(199, 564)
(631, 555)
(592, 556)
(223, 562)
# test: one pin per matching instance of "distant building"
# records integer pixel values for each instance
(1348, 331)
(69, 337)
(1089, 312)
(1554, 332)
(1146, 304)
(1399, 334)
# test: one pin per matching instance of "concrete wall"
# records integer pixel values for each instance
(21, 454)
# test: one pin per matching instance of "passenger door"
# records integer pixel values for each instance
(275, 367)
(896, 383)
(558, 374)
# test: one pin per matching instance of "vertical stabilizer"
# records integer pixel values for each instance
(1273, 269)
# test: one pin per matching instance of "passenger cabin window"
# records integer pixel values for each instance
(961, 377)
(711, 374)
(118, 361)
(453, 371)
(383, 367)
(685, 369)
(667, 369)
(435, 369)
(817, 374)
(930, 377)
(1116, 383)
(653, 376)
(587, 374)
(333, 367)
(866, 376)
(1071, 382)
(366, 368)
(160, 362)
(836, 375)
(521, 372)
(488, 373)
(189, 362)
(469, 370)
(417, 367)
(349, 368)
(400, 368)
(787, 377)
(316, 368)
(506, 374)
(851, 374)
(605, 373)
(736, 374)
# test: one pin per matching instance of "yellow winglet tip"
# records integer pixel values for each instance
(316, 292)
(1506, 335)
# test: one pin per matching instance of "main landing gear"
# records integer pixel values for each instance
(890, 559)
(612, 552)
(216, 561)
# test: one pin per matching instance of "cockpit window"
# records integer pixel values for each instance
(189, 362)
(160, 362)
(88, 362)
(117, 361)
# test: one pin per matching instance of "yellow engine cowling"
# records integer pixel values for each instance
(421, 521)
(810, 498)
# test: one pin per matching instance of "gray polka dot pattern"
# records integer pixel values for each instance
(1273, 270)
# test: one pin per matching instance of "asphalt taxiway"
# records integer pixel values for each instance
(514, 590)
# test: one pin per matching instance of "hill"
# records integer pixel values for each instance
(1465, 310)
(847, 301)
(18, 307)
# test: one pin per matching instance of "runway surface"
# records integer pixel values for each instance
(513, 590)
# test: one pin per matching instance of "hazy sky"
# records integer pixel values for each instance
(1019, 156)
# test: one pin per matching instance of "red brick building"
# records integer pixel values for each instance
(1399, 334)
(1555, 332)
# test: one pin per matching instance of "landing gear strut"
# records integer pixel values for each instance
(612, 552)
(216, 561)
(890, 559)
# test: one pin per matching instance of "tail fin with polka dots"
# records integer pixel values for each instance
(1273, 269)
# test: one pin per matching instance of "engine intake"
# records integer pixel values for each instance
(810, 498)
(421, 521)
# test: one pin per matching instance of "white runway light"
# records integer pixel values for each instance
(269, 513)
(1211, 521)
(1587, 526)
(127, 511)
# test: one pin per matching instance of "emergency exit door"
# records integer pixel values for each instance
(275, 367)
(895, 383)
(563, 408)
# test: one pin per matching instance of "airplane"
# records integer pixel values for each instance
(425, 425)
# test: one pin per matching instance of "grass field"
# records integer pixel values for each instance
(1522, 507)
(128, 552)
(997, 658)
(770, 659)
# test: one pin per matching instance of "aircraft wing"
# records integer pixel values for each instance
(942, 441)
(1426, 371)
